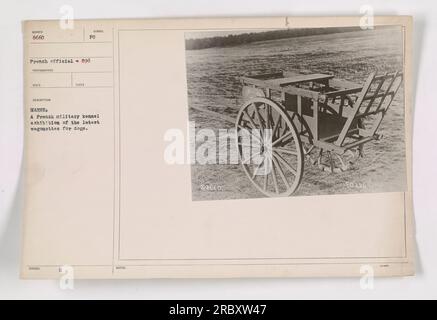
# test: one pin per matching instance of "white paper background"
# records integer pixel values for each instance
(424, 285)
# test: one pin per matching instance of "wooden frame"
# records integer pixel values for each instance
(332, 101)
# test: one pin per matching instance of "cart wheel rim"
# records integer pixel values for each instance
(269, 147)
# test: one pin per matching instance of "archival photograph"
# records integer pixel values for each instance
(296, 112)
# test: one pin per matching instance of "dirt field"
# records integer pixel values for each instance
(213, 84)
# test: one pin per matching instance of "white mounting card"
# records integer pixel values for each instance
(136, 163)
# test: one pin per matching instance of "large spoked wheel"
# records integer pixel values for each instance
(269, 147)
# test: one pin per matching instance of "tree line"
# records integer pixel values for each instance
(244, 38)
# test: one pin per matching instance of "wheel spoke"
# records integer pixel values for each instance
(275, 181)
(251, 157)
(268, 110)
(285, 163)
(250, 119)
(286, 141)
(286, 151)
(281, 172)
(261, 121)
(244, 145)
(253, 135)
(276, 127)
(284, 129)
(255, 171)
(308, 151)
(282, 138)
(266, 176)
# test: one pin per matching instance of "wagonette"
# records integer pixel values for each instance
(311, 114)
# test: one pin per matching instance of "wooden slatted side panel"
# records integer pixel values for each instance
(379, 93)
(383, 109)
(375, 94)
(360, 109)
(387, 92)
(355, 110)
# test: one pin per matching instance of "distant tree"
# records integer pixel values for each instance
(245, 38)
